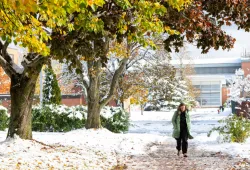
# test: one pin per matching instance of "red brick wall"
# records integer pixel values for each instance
(112, 103)
(73, 101)
(224, 95)
(246, 67)
(66, 100)
(6, 104)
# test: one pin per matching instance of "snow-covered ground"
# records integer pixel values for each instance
(79, 149)
(101, 149)
(202, 121)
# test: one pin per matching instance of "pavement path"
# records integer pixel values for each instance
(164, 157)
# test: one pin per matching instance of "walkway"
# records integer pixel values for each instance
(164, 157)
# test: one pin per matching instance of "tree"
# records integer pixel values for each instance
(159, 77)
(167, 88)
(181, 93)
(4, 82)
(139, 97)
(134, 22)
(31, 25)
(239, 85)
(117, 20)
(130, 86)
(51, 89)
(183, 73)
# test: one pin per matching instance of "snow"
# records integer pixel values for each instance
(202, 121)
(73, 111)
(238, 85)
(102, 149)
(3, 108)
(18, 69)
(79, 149)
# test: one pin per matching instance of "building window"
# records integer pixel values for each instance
(215, 70)
(209, 93)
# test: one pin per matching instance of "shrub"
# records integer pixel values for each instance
(58, 118)
(4, 118)
(115, 119)
(234, 129)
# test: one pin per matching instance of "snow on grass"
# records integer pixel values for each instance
(3, 108)
(79, 149)
(213, 143)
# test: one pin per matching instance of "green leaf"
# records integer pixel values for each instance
(94, 7)
(15, 42)
(4, 37)
(83, 5)
(78, 71)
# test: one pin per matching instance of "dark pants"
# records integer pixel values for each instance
(182, 141)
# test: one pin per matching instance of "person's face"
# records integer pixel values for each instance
(183, 108)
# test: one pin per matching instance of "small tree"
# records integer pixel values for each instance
(159, 78)
(237, 85)
(140, 97)
(51, 90)
(185, 70)
(181, 92)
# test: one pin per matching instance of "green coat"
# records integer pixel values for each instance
(176, 124)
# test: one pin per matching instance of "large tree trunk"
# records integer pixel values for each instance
(101, 47)
(94, 108)
(93, 120)
(22, 93)
(21, 104)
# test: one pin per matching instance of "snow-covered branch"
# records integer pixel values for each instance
(6, 61)
(238, 85)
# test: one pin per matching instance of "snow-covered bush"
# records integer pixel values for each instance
(234, 129)
(4, 119)
(115, 119)
(63, 118)
(58, 118)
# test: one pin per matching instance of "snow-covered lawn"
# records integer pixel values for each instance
(79, 149)
(101, 149)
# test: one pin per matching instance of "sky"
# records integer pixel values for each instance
(242, 43)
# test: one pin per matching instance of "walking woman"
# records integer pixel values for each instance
(181, 123)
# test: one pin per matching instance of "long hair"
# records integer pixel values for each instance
(179, 107)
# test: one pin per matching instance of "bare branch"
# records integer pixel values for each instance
(132, 62)
(114, 82)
